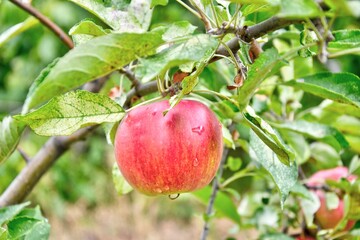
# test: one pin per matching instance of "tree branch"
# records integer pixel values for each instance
(246, 34)
(46, 21)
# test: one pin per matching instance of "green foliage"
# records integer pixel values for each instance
(23, 223)
(67, 113)
(283, 111)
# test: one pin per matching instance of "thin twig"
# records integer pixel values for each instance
(131, 76)
(46, 21)
(253, 32)
(24, 155)
(215, 188)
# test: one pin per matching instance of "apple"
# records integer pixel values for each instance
(176, 153)
(325, 217)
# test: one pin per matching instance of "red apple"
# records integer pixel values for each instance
(175, 153)
(325, 217)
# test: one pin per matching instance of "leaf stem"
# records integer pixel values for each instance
(345, 52)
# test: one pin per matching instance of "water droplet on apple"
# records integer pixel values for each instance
(158, 190)
(196, 162)
(166, 188)
(174, 196)
(199, 129)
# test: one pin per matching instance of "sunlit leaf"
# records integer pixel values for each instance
(267, 62)
(134, 17)
(339, 87)
(65, 114)
(10, 133)
(158, 2)
(316, 131)
(284, 176)
(8, 213)
(298, 9)
(193, 49)
(121, 185)
(17, 29)
(89, 61)
(268, 135)
(347, 38)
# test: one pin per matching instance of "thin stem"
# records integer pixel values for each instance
(215, 188)
(345, 52)
(45, 21)
(189, 8)
(145, 103)
(231, 55)
(206, 20)
(217, 94)
(24, 155)
(236, 177)
(214, 14)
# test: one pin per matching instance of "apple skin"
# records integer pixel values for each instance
(325, 217)
(176, 153)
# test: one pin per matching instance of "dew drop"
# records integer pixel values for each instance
(174, 196)
(196, 162)
(199, 129)
(166, 188)
(158, 190)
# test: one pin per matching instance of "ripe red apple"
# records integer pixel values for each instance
(175, 153)
(325, 217)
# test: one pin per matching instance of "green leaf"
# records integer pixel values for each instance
(21, 226)
(87, 27)
(299, 144)
(310, 205)
(8, 213)
(93, 59)
(134, 17)
(298, 9)
(3, 234)
(121, 185)
(317, 131)
(10, 133)
(65, 114)
(31, 213)
(332, 200)
(325, 155)
(40, 231)
(339, 87)
(267, 134)
(285, 177)
(158, 2)
(223, 204)
(17, 30)
(234, 163)
(346, 38)
(192, 50)
(176, 31)
(267, 62)
(227, 138)
(340, 108)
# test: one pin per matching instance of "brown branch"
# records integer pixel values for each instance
(247, 34)
(46, 21)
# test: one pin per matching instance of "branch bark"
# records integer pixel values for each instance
(247, 34)
(45, 21)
